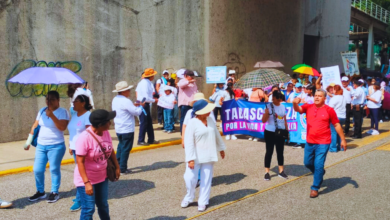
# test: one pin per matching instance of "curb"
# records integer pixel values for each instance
(71, 161)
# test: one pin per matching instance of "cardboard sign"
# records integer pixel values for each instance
(330, 75)
(350, 63)
(216, 74)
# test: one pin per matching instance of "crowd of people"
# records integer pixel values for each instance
(91, 145)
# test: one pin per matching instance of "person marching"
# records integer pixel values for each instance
(202, 144)
(337, 102)
(160, 84)
(318, 117)
(347, 90)
(359, 98)
(374, 104)
(187, 90)
(227, 95)
(145, 89)
(78, 123)
(275, 117)
(124, 123)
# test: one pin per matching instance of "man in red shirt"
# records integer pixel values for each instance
(318, 119)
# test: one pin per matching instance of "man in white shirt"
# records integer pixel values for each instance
(347, 93)
(357, 102)
(124, 123)
(145, 90)
(160, 84)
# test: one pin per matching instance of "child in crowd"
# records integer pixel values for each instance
(219, 92)
(167, 101)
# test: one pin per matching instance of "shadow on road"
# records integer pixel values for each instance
(156, 166)
(228, 179)
(334, 184)
(126, 188)
(231, 196)
(291, 170)
(168, 218)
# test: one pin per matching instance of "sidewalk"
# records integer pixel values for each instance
(12, 154)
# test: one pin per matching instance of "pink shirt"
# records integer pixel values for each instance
(186, 92)
(95, 159)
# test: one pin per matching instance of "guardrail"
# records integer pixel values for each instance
(372, 9)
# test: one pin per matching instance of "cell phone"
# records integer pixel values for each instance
(143, 100)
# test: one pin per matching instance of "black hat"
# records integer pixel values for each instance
(377, 83)
(101, 116)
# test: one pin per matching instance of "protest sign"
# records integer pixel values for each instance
(216, 74)
(330, 75)
(243, 117)
(350, 63)
(165, 102)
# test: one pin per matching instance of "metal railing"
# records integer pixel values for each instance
(372, 9)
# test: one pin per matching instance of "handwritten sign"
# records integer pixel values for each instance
(216, 74)
(330, 75)
(166, 102)
(350, 61)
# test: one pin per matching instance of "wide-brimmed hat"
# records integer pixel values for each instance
(168, 88)
(122, 86)
(198, 96)
(149, 72)
(231, 72)
(202, 107)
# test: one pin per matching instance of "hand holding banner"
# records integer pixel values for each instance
(216, 74)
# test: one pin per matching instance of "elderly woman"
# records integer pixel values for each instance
(50, 146)
(202, 144)
(93, 149)
(78, 123)
(374, 104)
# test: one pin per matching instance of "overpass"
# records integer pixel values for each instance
(373, 21)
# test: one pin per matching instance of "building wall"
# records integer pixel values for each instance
(113, 40)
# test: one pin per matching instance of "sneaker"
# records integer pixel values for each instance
(75, 207)
(5, 204)
(185, 204)
(197, 184)
(201, 208)
(250, 139)
(53, 197)
(128, 171)
(37, 196)
(297, 146)
(255, 139)
(165, 131)
(381, 121)
(234, 137)
(267, 177)
(283, 175)
(142, 144)
(370, 131)
(168, 132)
(227, 137)
(375, 132)
(159, 123)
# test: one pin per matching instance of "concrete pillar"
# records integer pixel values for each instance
(370, 48)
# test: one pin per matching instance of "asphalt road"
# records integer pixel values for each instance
(355, 189)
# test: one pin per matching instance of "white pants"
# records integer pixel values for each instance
(191, 178)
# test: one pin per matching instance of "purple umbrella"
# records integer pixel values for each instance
(46, 75)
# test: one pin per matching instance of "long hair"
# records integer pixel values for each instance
(312, 88)
(230, 90)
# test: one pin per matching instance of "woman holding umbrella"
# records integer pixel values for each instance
(53, 121)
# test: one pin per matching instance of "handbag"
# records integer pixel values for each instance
(34, 141)
(279, 132)
(111, 168)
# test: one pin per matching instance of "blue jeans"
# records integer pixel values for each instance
(168, 120)
(374, 114)
(314, 160)
(336, 140)
(77, 192)
(99, 197)
(53, 154)
(124, 147)
(183, 112)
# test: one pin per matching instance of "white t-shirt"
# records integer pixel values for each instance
(377, 95)
(294, 95)
(337, 102)
(280, 113)
(248, 92)
(167, 99)
(76, 126)
(347, 94)
(187, 118)
(49, 133)
(309, 99)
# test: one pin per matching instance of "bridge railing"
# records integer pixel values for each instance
(372, 9)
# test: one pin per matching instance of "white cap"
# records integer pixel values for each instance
(344, 79)
(360, 80)
(165, 71)
(231, 72)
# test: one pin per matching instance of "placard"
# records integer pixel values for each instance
(165, 102)
(350, 63)
(330, 75)
(216, 74)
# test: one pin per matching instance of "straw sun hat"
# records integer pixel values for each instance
(202, 107)
(122, 86)
(149, 72)
(198, 96)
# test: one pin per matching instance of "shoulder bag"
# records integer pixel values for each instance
(34, 141)
(111, 168)
(279, 132)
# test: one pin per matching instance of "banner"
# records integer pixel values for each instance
(243, 117)
(350, 63)
(330, 75)
(216, 74)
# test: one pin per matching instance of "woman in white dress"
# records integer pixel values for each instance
(202, 144)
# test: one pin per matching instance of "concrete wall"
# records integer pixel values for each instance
(329, 19)
(112, 39)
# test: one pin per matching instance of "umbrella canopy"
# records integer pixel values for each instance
(299, 65)
(268, 64)
(307, 70)
(47, 76)
(262, 78)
